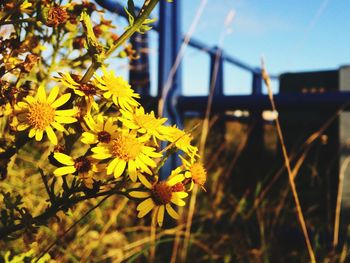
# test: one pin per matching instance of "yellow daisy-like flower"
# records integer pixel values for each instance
(102, 130)
(118, 89)
(182, 140)
(144, 123)
(83, 167)
(195, 171)
(86, 90)
(159, 197)
(40, 114)
(127, 150)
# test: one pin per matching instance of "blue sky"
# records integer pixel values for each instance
(291, 35)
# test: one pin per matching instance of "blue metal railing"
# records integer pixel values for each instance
(256, 100)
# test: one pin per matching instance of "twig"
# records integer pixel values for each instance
(289, 169)
(71, 227)
(343, 167)
(43, 177)
(146, 10)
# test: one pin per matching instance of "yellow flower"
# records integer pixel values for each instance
(127, 150)
(84, 167)
(86, 90)
(182, 140)
(102, 130)
(25, 7)
(195, 171)
(159, 197)
(5, 110)
(121, 92)
(40, 114)
(144, 123)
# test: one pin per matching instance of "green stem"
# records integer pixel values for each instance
(146, 10)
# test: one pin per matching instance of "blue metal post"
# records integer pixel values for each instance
(217, 71)
(257, 135)
(139, 75)
(217, 83)
(170, 39)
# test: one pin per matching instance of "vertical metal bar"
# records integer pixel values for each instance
(216, 82)
(253, 161)
(257, 135)
(257, 82)
(139, 76)
(216, 71)
(169, 45)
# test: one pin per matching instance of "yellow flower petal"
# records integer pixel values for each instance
(41, 95)
(64, 170)
(65, 119)
(30, 99)
(139, 194)
(69, 112)
(147, 160)
(180, 194)
(176, 179)
(160, 216)
(119, 169)
(101, 156)
(22, 104)
(61, 100)
(107, 95)
(31, 133)
(178, 202)
(64, 158)
(132, 171)
(144, 181)
(111, 166)
(22, 127)
(53, 95)
(172, 212)
(147, 206)
(57, 126)
(39, 135)
(52, 136)
(88, 138)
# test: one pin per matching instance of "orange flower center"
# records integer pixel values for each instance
(161, 193)
(199, 174)
(179, 187)
(82, 164)
(88, 89)
(56, 16)
(126, 147)
(104, 137)
(40, 115)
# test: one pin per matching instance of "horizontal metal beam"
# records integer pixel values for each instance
(292, 101)
(114, 6)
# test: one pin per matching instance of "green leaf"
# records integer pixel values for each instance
(94, 47)
(131, 8)
(131, 17)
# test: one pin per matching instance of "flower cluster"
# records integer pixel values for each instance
(122, 145)
(99, 133)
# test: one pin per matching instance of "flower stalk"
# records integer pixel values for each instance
(146, 10)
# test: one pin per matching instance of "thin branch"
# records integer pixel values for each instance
(71, 227)
(146, 11)
(289, 169)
